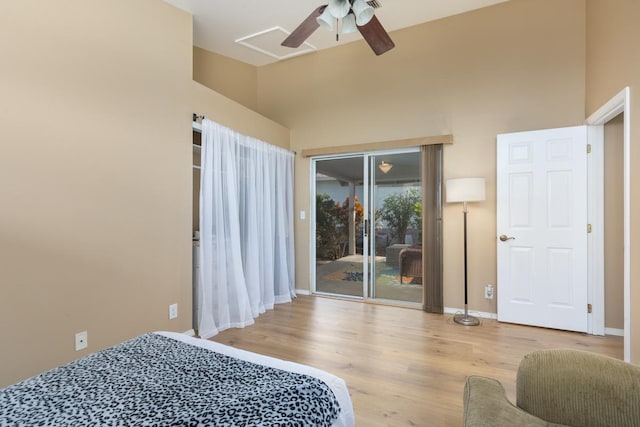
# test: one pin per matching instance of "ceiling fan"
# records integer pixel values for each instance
(355, 14)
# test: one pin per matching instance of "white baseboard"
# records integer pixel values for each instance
(302, 292)
(614, 331)
(449, 310)
(190, 332)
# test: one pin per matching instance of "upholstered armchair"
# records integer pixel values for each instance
(558, 388)
(410, 262)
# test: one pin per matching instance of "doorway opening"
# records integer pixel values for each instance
(613, 227)
(619, 104)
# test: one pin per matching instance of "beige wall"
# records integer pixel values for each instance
(515, 66)
(95, 176)
(233, 79)
(613, 62)
(613, 224)
(229, 113)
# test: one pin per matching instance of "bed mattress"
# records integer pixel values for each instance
(167, 378)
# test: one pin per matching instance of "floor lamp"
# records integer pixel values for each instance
(465, 190)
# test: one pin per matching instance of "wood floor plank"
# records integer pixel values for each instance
(403, 367)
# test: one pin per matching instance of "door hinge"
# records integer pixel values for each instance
(588, 148)
(588, 228)
(589, 308)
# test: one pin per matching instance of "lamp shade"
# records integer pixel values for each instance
(465, 190)
(363, 12)
(349, 24)
(326, 20)
(385, 167)
(339, 8)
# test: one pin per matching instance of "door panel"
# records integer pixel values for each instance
(339, 258)
(520, 200)
(395, 204)
(542, 207)
(521, 274)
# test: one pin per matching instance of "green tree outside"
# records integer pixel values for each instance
(400, 210)
(332, 226)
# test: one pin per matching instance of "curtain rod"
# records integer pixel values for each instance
(197, 126)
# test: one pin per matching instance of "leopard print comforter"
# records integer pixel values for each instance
(154, 380)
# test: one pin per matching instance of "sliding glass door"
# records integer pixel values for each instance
(339, 226)
(396, 229)
(368, 226)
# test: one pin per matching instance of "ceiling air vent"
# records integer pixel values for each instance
(374, 4)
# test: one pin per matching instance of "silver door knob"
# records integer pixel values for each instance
(504, 238)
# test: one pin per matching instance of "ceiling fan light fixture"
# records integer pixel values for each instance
(349, 24)
(385, 167)
(326, 20)
(339, 8)
(328, 16)
(363, 12)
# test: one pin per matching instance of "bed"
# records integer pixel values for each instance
(166, 378)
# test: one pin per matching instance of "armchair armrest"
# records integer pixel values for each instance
(486, 405)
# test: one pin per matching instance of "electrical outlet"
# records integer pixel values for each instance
(488, 292)
(173, 311)
(81, 340)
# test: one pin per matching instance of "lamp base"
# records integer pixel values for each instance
(466, 320)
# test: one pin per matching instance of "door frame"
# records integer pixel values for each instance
(620, 103)
(312, 223)
(370, 199)
(366, 203)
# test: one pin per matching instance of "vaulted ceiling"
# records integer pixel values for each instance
(251, 30)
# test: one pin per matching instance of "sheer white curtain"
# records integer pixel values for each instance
(246, 229)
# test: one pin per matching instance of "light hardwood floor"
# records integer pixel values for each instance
(403, 367)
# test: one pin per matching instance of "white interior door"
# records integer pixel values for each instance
(542, 228)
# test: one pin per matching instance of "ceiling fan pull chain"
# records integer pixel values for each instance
(337, 32)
